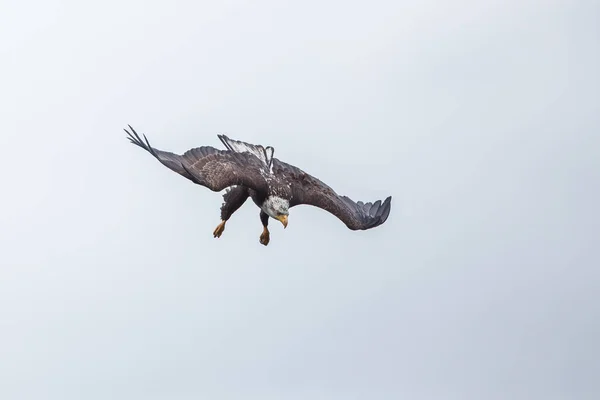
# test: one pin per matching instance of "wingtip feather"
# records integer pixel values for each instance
(386, 208)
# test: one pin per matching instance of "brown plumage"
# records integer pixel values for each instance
(248, 170)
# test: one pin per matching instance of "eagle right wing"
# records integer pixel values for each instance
(306, 189)
(210, 167)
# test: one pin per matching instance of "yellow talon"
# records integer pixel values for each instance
(219, 230)
(265, 237)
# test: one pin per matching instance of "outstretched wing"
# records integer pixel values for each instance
(306, 189)
(209, 167)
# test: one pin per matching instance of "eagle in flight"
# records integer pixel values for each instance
(248, 170)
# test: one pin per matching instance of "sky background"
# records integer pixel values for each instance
(481, 119)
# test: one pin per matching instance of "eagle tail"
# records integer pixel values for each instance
(264, 154)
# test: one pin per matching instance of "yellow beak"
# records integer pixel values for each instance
(284, 220)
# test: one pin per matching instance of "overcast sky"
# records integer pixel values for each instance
(481, 119)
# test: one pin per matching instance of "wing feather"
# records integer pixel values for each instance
(209, 167)
(309, 190)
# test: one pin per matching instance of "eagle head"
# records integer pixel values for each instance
(278, 208)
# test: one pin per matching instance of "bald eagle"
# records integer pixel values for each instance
(248, 170)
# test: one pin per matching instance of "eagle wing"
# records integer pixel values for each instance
(306, 189)
(210, 167)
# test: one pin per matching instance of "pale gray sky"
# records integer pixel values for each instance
(482, 119)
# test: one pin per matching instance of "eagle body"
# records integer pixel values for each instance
(246, 170)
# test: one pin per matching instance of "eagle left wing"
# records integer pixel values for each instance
(306, 189)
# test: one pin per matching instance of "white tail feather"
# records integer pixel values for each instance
(263, 154)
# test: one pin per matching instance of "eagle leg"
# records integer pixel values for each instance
(219, 229)
(233, 199)
(265, 237)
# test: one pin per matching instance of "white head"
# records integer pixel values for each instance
(277, 208)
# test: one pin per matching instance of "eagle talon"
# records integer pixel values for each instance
(265, 237)
(219, 230)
